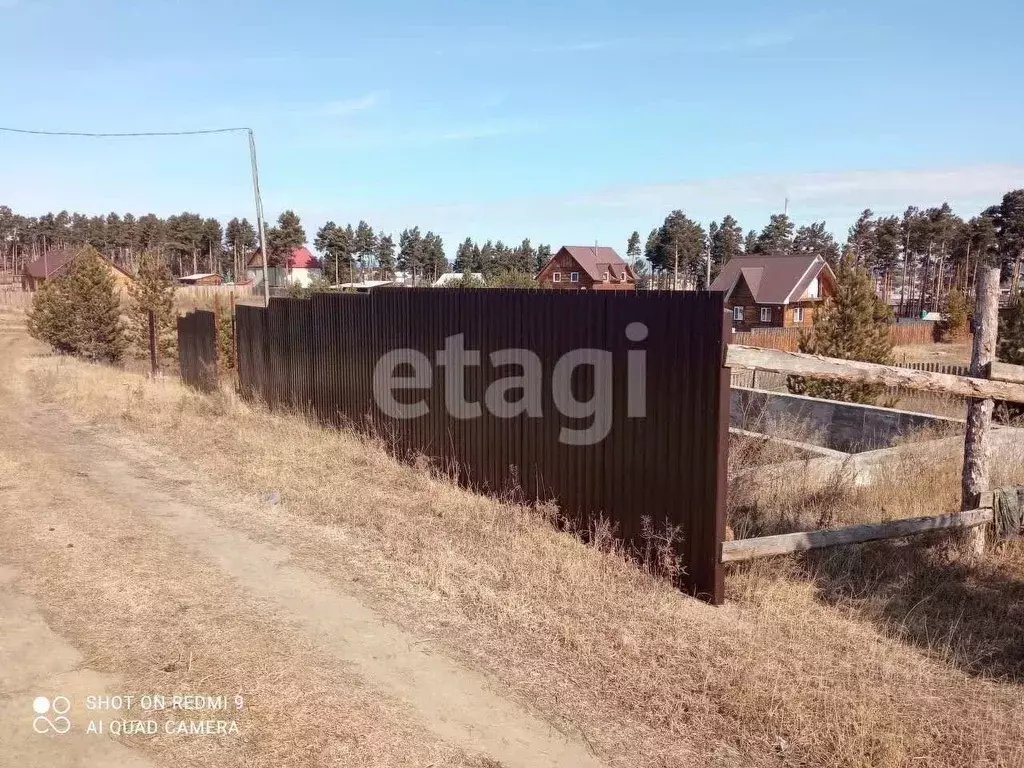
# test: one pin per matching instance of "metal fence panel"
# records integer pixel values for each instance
(197, 350)
(655, 470)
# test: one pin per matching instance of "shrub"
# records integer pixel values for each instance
(79, 312)
(511, 279)
(467, 281)
(853, 325)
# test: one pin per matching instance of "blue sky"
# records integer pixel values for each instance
(565, 122)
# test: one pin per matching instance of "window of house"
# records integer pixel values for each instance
(556, 277)
(737, 313)
(605, 277)
(574, 277)
(798, 314)
(766, 314)
(812, 289)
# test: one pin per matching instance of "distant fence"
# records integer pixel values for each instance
(573, 358)
(952, 369)
(203, 296)
(197, 350)
(788, 339)
(15, 299)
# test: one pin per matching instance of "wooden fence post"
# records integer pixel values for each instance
(978, 439)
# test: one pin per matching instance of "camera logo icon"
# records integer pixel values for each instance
(59, 707)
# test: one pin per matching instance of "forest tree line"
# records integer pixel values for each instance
(916, 257)
(191, 243)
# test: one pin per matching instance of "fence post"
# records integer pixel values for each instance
(978, 439)
(152, 343)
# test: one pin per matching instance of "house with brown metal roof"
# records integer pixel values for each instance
(775, 291)
(587, 268)
(55, 261)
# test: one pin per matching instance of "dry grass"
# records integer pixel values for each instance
(808, 665)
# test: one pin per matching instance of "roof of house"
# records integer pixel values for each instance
(300, 258)
(55, 259)
(451, 277)
(52, 261)
(596, 260)
(364, 284)
(771, 279)
(199, 276)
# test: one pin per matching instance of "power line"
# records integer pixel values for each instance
(124, 135)
(199, 132)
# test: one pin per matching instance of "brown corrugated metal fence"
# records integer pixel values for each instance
(197, 350)
(662, 469)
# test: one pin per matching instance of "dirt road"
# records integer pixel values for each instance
(115, 577)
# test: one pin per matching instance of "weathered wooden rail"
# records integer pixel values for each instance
(819, 367)
(788, 543)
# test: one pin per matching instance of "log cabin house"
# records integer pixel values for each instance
(775, 291)
(586, 268)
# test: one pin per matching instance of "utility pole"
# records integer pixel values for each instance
(707, 270)
(978, 438)
(259, 216)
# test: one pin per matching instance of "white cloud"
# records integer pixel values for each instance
(353, 105)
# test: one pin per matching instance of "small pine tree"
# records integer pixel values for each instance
(79, 312)
(97, 308)
(1011, 334)
(953, 326)
(853, 325)
(153, 290)
(51, 318)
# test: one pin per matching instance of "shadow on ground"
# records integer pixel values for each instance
(970, 615)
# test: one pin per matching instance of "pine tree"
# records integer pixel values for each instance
(153, 290)
(79, 312)
(464, 256)
(860, 240)
(750, 242)
(51, 319)
(284, 238)
(777, 237)
(337, 246)
(364, 244)
(853, 325)
(816, 239)
(726, 243)
(953, 326)
(633, 247)
(385, 255)
(543, 256)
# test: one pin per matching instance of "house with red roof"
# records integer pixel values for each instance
(586, 268)
(775, 291)
(300, 267)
